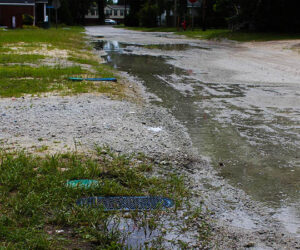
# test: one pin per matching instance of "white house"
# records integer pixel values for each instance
(115, 12)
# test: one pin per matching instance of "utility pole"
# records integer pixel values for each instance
(125, 3)
(204, 15)
(192, 16)
(175, 13)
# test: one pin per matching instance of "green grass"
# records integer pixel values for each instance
(17, 77)
(17, 58)
(112, 89)
(17, 80)
(221, 34)
(61, 38)
(239, 36)
(35, 201)
(18, 71)
(84, 61)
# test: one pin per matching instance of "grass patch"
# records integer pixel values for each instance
(4, 49)
(61, 38)
(243, 36)
(221, 34)
(18, 87)
(84, 61)
(38, 210)
(45, 72)
(17, 58)
(19, 79)
(111, 88)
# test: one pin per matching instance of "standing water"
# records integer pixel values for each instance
(250, 132)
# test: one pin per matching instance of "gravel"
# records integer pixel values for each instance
(83, 121)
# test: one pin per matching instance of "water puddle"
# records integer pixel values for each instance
(168, 46)
(251, 133)
(135, 235)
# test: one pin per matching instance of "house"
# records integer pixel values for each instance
(193, 8)
(12, 11)
(115, 12)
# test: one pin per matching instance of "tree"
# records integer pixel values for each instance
(260, 15)
(148, 14)
(133, 18)
(101, 6)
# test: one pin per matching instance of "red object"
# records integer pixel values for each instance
(193, 1)
(184, 25)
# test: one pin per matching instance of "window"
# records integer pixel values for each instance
(115, 12)
(121, 12)
(93, 12)
(107, 12)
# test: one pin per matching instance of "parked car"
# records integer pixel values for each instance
(110, 21)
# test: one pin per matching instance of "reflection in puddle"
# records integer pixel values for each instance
(108, 46)
(287, 215)
(254, 130)
(168, 46)
(134, 235)
(176, 46)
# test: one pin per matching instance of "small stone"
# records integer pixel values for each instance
(63, 169)
(249, 244)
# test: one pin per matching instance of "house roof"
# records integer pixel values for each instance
(17, 2)
(116, 6)
(195, 5)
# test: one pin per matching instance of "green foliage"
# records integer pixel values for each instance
(254, 15)
(260, 15)
(133, 18)
(72, 12)
(148, 14)
(27, 19)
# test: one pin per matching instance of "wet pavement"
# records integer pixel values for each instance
(249, 131)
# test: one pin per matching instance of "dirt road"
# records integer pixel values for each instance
(265, 75)
(240, 104)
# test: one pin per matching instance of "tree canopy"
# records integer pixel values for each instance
(253, 15)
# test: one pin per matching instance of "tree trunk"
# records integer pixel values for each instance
(204, 15)
(101, 6)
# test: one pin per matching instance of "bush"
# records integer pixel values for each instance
(30, 27)
(148, 15)
(27, 19)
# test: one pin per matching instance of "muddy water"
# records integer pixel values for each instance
(250, 133)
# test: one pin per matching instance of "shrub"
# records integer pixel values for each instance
(27, 19)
